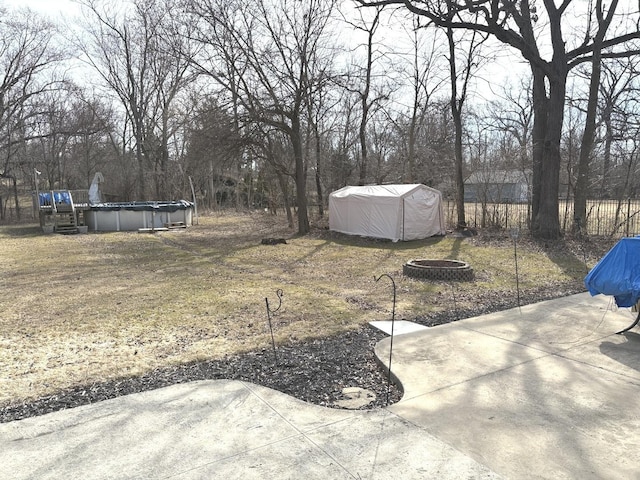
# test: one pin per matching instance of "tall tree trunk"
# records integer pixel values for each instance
(606, 161)
(582, 182)
(362, 178)
(319, 174)
(282, 181)
(539, 133)
(300, 177)
(462, 221)
(546, 223)
(456, 114)
(15, 196)
(413, 124)
(141, 169)
(364, 100)
(411, 151)
(586, 147)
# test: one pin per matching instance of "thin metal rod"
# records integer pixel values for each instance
(515, 254)
(455, 304)
(393, 321)
(269, 312)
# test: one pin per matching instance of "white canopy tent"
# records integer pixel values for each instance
(395, 212)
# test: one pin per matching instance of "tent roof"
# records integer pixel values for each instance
(399, 190)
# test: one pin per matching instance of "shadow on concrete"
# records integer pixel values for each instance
(626, 353)
(525, 392)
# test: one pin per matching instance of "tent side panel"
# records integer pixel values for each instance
(338, 213)
(349, 214)
(386, 218)
(423, 215)
(365, 215)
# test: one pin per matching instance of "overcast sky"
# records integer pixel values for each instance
(51, 8)
(69, 8)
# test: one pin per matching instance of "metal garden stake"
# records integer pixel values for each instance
(279, 293)
(515, 233)
(393, 320)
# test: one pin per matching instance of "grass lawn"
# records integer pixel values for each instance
(80, 309)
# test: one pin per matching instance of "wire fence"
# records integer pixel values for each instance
(612, 218)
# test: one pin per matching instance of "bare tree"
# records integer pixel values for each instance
(362, 83)
(513, 116)
(92, 124)
(318, 111)
(619, 103)
(172, 75)
(459, 90)
(603, 20)
(274, 150)
(422, 76)
(264, 54)
(628, 169)
(342, 154)
(28, 56)
(137, 50)
(515, 24)
(53, 131)
(214, 149)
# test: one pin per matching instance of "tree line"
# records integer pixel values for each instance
(276, 103)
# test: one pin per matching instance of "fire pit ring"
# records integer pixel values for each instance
(447, 270)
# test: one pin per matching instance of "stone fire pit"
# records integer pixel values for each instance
(447, 270)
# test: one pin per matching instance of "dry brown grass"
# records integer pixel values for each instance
(80, 309)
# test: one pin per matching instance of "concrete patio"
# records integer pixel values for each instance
(546, 391)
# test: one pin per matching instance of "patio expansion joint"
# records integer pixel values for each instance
(515, 342)
(474, 378)
(580, 342)
(300, 433)
(562, 353)
(630, 378)
(545, 353)
(297, 435)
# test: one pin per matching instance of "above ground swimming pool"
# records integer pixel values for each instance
(132, 216)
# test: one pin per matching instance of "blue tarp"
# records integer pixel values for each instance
(618, 273)
(62, 197)
(45, 198)
(59, 197)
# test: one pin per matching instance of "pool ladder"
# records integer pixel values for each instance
(64, 211)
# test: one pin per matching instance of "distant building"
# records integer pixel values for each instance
(498, 186)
